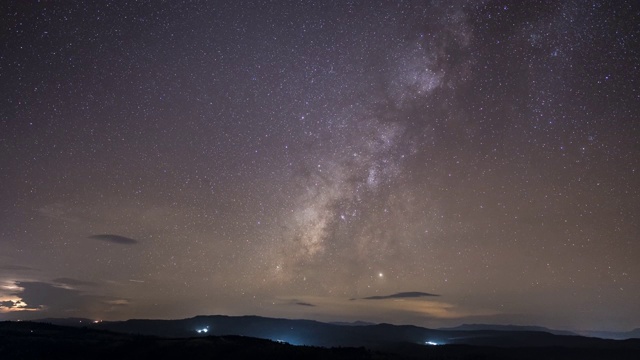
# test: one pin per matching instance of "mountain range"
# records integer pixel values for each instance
(314, 333)
(245, 337)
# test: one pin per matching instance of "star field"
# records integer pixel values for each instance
(298, 159)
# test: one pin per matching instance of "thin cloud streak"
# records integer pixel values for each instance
(116, 239)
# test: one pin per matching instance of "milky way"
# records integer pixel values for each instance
(429, 163)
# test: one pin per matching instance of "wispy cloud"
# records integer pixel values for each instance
(117, 302)
(302, 303)
(74, 282)
(400, 295)
(16, 268)
(392, 308)
(53, 299)
(116, 239)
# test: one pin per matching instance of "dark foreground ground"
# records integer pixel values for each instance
(27, 340)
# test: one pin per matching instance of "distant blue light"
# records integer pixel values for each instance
(203, 330)
(287, 339)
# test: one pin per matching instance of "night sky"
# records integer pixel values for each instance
(417, 162)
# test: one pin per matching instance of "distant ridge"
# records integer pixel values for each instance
(66, 321)
(377, 336)
(614, 335)
(354, 323)
(497, 327)
(26, 340)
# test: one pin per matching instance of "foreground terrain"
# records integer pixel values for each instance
(32, 340)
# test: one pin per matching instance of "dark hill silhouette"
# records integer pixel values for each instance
(378, 336)
(66, 321)
(29, 340)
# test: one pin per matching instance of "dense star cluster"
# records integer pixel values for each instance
(322, 160)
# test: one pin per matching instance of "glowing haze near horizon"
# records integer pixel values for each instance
(333, 161)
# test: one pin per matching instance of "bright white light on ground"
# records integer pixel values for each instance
(431, 343)
(203, 330)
